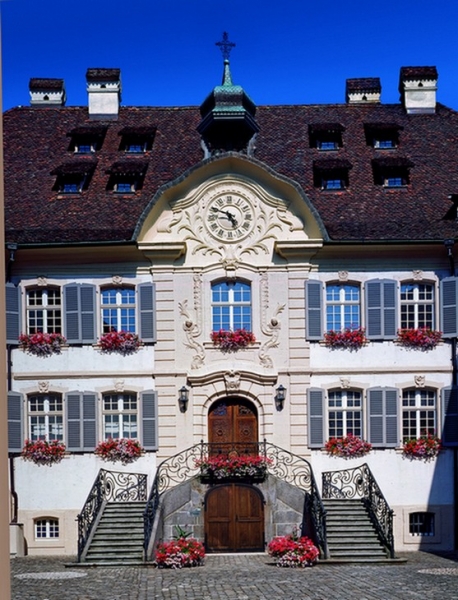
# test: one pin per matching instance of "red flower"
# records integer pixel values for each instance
(293, 551)
(42, 452)
(232, 340)
(351, 338)
(349, 446)
(124, 450)
(123, 342)
(183, 552)
(423, 338)
(41, 344)
(426, 447)
(223, 466)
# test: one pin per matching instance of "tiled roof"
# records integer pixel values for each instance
(36, 144)
(366, 83)
(103, 74)
(46, 84)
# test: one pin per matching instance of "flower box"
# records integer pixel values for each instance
(349, 338)
(42, 452)
(349, 446)
(231, 341)
(223, 467)
(180, 553)
(123, 342)
(41, 344)
(293, 551)
(123, 450)
(422, 338)
(426, 447)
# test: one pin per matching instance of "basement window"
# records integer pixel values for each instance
(421, 524)
(46, 529)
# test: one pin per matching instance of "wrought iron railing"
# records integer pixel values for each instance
(283, 464)
(360, 483)
(109, 486)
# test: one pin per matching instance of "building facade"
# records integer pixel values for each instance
(289, 222)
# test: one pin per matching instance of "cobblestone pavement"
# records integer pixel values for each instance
(239, 577)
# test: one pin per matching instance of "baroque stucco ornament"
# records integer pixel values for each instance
(232, 381)
(192, 324)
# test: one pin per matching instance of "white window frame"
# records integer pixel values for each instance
(345, 305)
(48, 421)
(417, 302)
(351, 401)
(50, 527)
(416, 401)
(231, 320)
(116, 410)
(115, 320)
(46, 309)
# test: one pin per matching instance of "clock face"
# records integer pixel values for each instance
(229, 217)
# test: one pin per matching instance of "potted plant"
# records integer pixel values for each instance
(231, 341)
(41, 344)
(293, 551)
(221, 467)
(422, 338)
(182, 551)
(426, 447)
(123, 450)
(123, 342)
(42, 452)
(349, 446)
(350, 338)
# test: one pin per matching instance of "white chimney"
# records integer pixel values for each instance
(104, 92)
(47, 92)
(417, 86)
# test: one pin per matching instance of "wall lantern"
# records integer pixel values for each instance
(183, 399)
(280, 396)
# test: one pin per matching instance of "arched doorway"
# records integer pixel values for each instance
(234, 519)
(233, 421)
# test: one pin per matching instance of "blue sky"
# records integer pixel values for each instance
(289, 51)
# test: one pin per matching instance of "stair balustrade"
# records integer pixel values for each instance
(360, 483)
(109, 486)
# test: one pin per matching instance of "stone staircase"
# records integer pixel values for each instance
(351, 534)
(118, 538)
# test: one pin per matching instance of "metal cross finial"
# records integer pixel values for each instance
(225, 46)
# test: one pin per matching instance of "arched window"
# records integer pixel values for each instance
(342, 307)
(118, 309)
(417, 305)
(231, 305)
(345, 413)
(418, 413)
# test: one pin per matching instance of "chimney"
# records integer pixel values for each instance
(47, 92)
(104, 92)
(417, 86)
(363, 91)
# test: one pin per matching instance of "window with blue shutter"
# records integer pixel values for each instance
(13, 313)
(315, 419)
(81, 421)
(381, 309)
(147, 312)
(314, 310)
(449, 307)
(450, 416)
(15, 422)
(149, 420)
(79, 308)
(383, 417)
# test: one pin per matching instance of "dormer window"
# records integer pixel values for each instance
(382, 136)
(392, 172)
(326, 136)
(331, 174)
(126, 177)
(137, 140)
(86, 140)
(73, 177)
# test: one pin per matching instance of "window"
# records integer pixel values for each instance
(342, 307)
(421, 524)
(382, 136)
(394, 181)
(120, 416)
(46, 528)
(127, 176)
(345, 413)
(391, 171)
(124, 186)
(44, 313)
(135, 146)
(418, 413)
(417, 305)
(72, 184)
(384, 143)
(326, 136)
(231, 305)
(45, 417)
(73, 177)
(331, 173)
(332, 184)
(118, 309)
(137, 140)
(327, 144)
(87, 139)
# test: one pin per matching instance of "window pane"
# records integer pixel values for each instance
(231, 306)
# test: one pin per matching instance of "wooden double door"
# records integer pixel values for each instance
(234, 512)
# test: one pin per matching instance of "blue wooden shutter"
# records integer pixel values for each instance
(147, 312)
(149, 420)
(383, 418)
(81, 421)
(449, 307)
(449, 416)
(381, 309)
(314, 310)
(79, 307)
(15, 425)
(13, 313)
(315, 418)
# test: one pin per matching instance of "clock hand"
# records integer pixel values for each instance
(228, 215)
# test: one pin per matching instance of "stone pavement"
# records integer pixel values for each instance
(239, 577)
